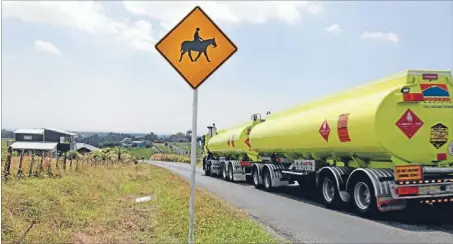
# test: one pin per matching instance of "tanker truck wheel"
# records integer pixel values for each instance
(224, 172)
(267, 180)
(256, 179)
(230, 172)
(364, 197)
(206, 168)
(329, 192)
(207, 171)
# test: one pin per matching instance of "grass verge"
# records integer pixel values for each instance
(96, 205)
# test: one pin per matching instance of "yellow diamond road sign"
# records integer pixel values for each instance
(196, 47)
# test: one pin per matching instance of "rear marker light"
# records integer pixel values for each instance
(441, 156)
(407, 190)
(245, 164)
(405, 90)
(413, 97)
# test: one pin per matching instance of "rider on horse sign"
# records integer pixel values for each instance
(196, 36)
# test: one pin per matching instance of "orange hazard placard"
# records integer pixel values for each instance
(342, 128)
(196, 47)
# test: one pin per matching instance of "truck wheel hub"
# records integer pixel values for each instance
(362, 195)
(255, 177)
(328, 190)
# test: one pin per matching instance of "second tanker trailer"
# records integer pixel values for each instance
(376, 146)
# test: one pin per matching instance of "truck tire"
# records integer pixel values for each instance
(207, 171)
(256, 178)
(267, 180)
(364, 197)
(224, 172)
(249, 179)
(329, 192)
(206, 168)
(230, 172)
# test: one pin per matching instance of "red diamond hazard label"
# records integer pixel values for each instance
(409, 123)
(325, 130)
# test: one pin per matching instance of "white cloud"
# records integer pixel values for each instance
(334, 29)
(85, 15)
(90, 16)
(44, 46)
(170, 13)
(380, 36)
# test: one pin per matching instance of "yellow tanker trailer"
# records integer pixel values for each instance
(376, 146)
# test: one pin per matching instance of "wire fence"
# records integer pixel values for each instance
(33, 164)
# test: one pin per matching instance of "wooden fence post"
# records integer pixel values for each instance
(41, 169)
(20, 173)
(64, 161)
(58, 157)
(30, 171)
(77, 164)
(8, 163)
(49, 168)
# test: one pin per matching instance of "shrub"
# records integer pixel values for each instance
(170, 158)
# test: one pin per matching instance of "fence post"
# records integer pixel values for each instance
(20, 173)
(41, 165)
(77, 164)
(30, 171)
(49, 168)
(58, 157)
(8, 163)
(64, 161)
(70, 163)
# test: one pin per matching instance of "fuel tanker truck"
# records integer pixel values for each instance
(379, 146)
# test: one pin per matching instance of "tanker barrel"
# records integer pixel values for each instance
(432, 170)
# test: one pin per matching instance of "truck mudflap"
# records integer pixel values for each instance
(393, 195)
(382, 180)
(341, 175)
(236, 171)
(275, 171)
(215, 166)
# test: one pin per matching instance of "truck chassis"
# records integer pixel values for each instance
(370, 190)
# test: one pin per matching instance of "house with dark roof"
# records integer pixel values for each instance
(84, 148)
(46, 139)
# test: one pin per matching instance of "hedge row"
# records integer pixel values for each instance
(170, 158)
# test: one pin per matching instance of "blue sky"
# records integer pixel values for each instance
(92, 66)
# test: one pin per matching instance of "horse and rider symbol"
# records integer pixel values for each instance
(199, 45)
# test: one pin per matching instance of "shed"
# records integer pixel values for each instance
(35, 146)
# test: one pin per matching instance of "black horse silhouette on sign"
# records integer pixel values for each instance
(197, 45)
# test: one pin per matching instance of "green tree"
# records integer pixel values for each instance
(150, 137)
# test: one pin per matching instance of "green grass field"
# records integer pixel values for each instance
(186, 146)
(97, 205)
(162, 147)
(141, 152)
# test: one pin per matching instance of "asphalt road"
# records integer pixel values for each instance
(298, 217)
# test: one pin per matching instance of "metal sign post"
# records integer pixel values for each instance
(193, 162)
(197, 33)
